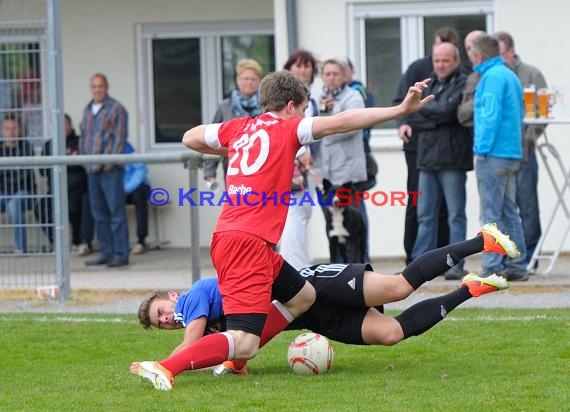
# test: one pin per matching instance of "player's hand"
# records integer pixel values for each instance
(305, 160)
(328, 103)
(134, 367)
(413, 101)
(405, 133)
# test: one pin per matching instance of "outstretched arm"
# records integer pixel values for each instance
(194, 331)
(195, 139)
(364, 118)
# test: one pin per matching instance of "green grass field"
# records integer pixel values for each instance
(476, 360)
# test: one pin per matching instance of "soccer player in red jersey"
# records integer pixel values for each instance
(261, 152)
(349, 303)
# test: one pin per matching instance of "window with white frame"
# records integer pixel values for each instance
(387, 37)
(186, 69)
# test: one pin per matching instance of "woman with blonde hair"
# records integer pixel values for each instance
(242, 101)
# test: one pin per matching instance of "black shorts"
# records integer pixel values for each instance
(339, 284)
(339, 310)
(287, 284)
(337, 323)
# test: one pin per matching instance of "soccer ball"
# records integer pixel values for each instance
(310, 354)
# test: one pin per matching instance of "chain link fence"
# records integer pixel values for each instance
(27, 224)
(34, 221)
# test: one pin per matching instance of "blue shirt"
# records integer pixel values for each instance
(135, 173)
(498, 111)
(202, 299)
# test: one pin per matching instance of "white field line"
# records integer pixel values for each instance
(526, 318)
(70, 319)
(83, 319)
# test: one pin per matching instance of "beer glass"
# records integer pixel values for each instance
(529, 100)
(543, 97)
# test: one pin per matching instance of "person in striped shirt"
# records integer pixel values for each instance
(103, 132)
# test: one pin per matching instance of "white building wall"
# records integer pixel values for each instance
(540, 33)
(100, 36)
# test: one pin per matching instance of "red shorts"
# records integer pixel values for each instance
(247, 266)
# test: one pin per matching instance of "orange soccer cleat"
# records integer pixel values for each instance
(480, 286)
(228, 368)
(497, 242)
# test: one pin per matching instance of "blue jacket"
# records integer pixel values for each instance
(498, 111)
(135, 173)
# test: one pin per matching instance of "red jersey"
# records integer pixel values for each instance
(261, 153)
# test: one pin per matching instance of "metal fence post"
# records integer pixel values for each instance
(192, 166)
(56, 133)
(189, 159)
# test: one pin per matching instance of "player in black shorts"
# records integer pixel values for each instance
(350, 297)
(340, 308)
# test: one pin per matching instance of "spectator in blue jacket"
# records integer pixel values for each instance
(498, 125)
(137, 188)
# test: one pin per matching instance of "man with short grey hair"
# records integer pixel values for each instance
(465, 109)
(527, 177)
(498, 115)
(104, 131)
(444, 155)
(418, 71)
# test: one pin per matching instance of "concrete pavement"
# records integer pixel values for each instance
(170, 268)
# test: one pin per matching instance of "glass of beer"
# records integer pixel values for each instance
(543, 97)
(529, 100)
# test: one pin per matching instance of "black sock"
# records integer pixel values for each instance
(425, 314)
(435, 262)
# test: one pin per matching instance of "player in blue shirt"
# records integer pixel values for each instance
(349, 299)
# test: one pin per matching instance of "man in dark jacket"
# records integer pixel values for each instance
(78, 199)
(444, 154)
(17, 184)
(417, 71)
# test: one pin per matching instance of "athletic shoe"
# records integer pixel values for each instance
(497, 242)
(228, 368)
(138, 249)
(515, 275)
(455, 273)
(480, 286)
(83, 249)
(158, 375)
(512, 275)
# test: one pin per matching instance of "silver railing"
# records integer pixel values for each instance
(191, 160)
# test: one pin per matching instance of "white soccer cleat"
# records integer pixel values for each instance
(158, 375)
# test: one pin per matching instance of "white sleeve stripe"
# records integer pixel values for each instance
(305, 130)
(211, 135)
